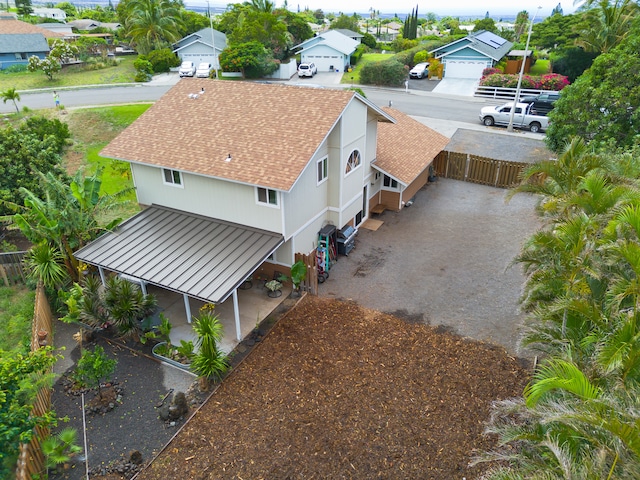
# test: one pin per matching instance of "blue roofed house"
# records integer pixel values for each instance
(469, 56)
(330, 50)
(20, 40)
(199, 47)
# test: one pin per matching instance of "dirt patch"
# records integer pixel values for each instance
(340, 391)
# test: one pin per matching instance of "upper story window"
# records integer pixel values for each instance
(353, 162)
(390, 182)
(323, 170)
(172, 177)
(267, 196)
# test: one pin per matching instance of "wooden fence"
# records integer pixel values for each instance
(310, 283)
(476, 169)
(31, 461)
(12, 270)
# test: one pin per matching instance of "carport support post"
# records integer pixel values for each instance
(236, 315)
(101, 272)
(187, 307)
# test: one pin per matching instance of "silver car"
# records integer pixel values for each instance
(187, 69)
(203, 70)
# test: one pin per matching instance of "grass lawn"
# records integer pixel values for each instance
(70, 76)
(541, 67)
(92, 129)
(16, 312)
(354, 76)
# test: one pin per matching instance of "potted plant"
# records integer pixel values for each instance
(298, 274)
(178, 356)
(274, 288)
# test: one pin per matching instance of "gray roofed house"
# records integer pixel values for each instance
(199, 47)
(330, 50)
(469, 56)
(17, 48)
(350, 33)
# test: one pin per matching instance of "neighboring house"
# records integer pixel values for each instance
(61, 28)
(199, 47)
(241, 175)
(84, 24)
(20, 40)
(52, 13)
(330, 51)
(351, 34)
(469, 56)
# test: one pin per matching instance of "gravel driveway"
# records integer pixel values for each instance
(444, 261)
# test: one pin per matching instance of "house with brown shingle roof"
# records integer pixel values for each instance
(236, 174)
(20, 40)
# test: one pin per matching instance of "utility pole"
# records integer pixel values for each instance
(524, 60)
(213, 40)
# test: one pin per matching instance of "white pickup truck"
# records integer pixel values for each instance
(524, 117)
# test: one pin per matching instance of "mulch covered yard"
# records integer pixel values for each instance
(339, 391)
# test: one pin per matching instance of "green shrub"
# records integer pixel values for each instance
(420, 56)
(144, 69)
(17, 68)
(162, 60)
(369, 40)
(389, 72)
(357, 55)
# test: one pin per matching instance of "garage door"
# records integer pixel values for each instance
(324, 63)
(464, 68)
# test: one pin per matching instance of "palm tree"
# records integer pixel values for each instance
(264, 6)
(11, 94)
(153, 24)
(608, 22)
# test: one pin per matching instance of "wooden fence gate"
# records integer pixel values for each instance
(12, 270)
(310, 283)
(477, 169)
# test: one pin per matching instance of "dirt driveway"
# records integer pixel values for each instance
(444, 261)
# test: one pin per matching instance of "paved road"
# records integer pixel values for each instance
(444, 113)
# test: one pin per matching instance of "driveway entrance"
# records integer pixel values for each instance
(444, 261)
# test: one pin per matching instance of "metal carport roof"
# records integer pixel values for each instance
(201, 257)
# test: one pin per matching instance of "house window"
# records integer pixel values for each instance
(267, 196)
(322, 170)
(172, 177)
(353, 162)
(21, 56)
(390, 182)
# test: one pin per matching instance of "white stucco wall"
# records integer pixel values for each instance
(224, 200)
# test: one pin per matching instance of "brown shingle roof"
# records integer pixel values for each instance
(270, 130)
(407, 147)
(13, 26)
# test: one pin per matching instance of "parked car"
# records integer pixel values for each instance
(542, 103)
(187, 69)
(203, 70)
(307, 69)
(419, 71)
(522, 117)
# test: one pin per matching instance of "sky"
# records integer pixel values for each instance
(452, 7)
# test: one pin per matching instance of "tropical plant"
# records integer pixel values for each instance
(94, 368)
(60, 52)
(209, 363)
(66, 216)
(60, 448)
(151, 24)
(127, 306)
(11, 94)
(298, 273)
(21, 375)
(46, 264)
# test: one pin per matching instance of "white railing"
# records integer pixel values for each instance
(503, 93)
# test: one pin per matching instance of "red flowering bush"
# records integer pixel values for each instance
(550, 81)
(491, 71)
